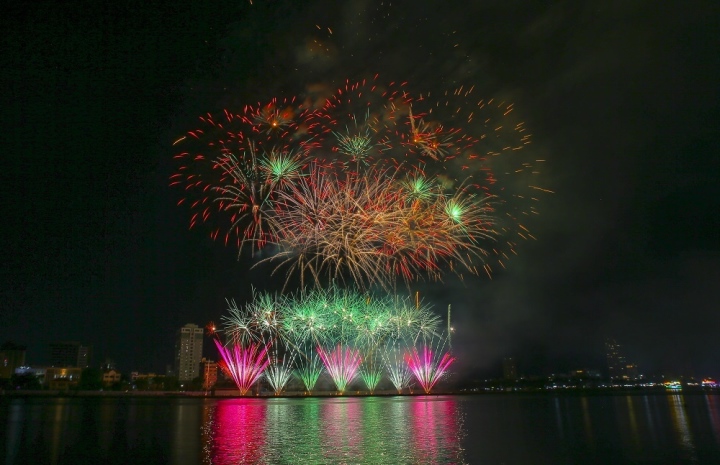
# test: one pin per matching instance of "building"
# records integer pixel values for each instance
(618, 366)
(84, 355)
(153, 382)
(209, 373)
(111, 377)
(62, 378)
(70, 354)
(615, 359)
(509, 368)
(38, 372)
(108, 365)
(12, 356)
(188, 352)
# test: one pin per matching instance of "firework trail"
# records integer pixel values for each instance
(362, 186)
(495, 153)
(230, 168)
(279, 372)
(359, 326)
(371, 376)
(329, 317)
(427, 366)
(342, 364)
(335, 228)
(369, 228)
(260, 321)
(310, 371)
(245, 365)
(397, 369)
(365, 184)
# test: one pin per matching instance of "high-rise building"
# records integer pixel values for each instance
(84, 356)
(12, 356)
(188, 352)
(618, 366)
(509, 368)
(209, 373)
(70, 354)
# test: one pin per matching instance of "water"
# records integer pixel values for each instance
(497, 429)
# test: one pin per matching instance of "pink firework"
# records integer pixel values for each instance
(245, 365)
(428, 369)
(342, 364)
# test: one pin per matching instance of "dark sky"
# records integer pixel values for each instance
(621, 97)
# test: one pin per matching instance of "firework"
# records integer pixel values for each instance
(427, 367)
(368, 229)
(245, 365)
(310, 371)
(230, 168)
(360, 188)
(342, 365)
(359, 123)
(371, 377)
(259, 321)
(329, 317)
(365, 185)
(411, 321)
(356, 144)
(357, 326)
(398, 370)
(334, 227)
(493, 152)
(279, 373)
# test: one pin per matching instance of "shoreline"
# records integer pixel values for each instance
(235, 394)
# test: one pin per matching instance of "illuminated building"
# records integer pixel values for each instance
(70, 354)
(615, 359)
(509, 368)
(631, 371)
(83, 357)
(618, 366)
(111, 377)
(209, 373)
(12, 356)
(709, 383)
(62, 378)
(188, 352)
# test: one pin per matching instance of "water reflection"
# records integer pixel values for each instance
(58, 423)
(558, 418)
(587, 423)
(680, 424)
(15, 422)
(340, 420)
(337, 430)
(238, 432)
(668, 430)
(437, 432)
(633, 422)
(187, 418)
(714, 411)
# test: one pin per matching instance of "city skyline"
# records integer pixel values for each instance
(621, 101)
(194, 343)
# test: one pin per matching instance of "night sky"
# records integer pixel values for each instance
(622, 98)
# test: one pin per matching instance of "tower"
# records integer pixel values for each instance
(615, 359)
(188, 352)
(509, 368)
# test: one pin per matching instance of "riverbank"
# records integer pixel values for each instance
(234, 393)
